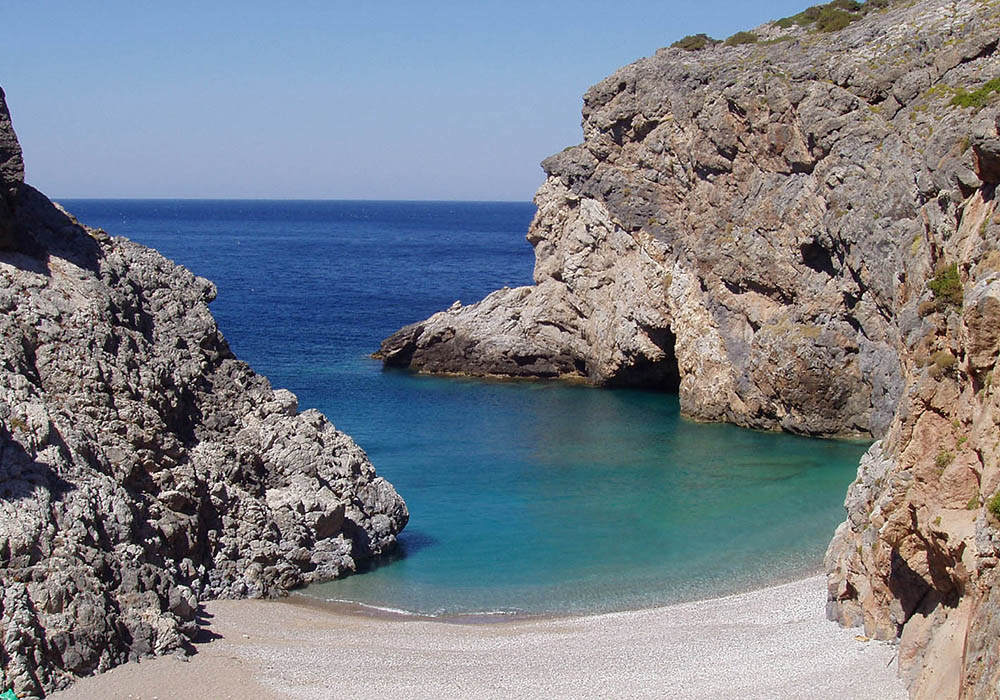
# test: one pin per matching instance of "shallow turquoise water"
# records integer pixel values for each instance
(544, 498)
(523, 496)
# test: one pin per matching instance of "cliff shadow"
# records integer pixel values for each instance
(41, 230)
(915, 593)
(21, 475)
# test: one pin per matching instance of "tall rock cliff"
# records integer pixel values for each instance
(143, 467)
(797, 232)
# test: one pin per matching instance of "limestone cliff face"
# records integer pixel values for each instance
(143, 467)
(798, 234)
(739, 219)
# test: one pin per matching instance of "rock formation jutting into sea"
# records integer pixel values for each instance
(795, 229)
(143, 467)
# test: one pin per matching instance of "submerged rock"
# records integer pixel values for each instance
(800, 234)
(143, 467)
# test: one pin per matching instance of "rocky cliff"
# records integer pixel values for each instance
(796, 230)
(143, 468)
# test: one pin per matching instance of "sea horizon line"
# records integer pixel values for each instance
(290, 199)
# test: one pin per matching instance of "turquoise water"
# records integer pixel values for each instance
(542, 498)
(530, 497)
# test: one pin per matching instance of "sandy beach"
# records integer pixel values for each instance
(770, 643)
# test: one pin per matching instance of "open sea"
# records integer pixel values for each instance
(524, 497)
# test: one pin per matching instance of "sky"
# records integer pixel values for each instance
(321, 100)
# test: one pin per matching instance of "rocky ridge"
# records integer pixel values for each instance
(797, 234)
(143, 467)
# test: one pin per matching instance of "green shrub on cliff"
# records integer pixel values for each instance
(694, 42)
(831, 16)
(831, 19)
(741, 38)
(873, 5)
(803, 19)
(943, 459)
(946, 285)
(993, 505)
(977, 98)
(848, 5)
(788, 22)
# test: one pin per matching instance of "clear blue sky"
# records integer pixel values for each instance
(382, 100)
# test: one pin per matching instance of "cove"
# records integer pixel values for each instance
(524, 497)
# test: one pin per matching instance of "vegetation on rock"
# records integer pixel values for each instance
(943, 459)
(946, 285)
(741, 38)
(832, 16)
(694, 42)
(941, 362)
(831, 19)
(976, 98)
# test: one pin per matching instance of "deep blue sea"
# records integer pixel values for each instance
(530, 497)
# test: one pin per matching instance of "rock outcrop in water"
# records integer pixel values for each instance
(798, 233)
(143, 467)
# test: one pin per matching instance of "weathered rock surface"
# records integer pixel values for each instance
(143, 467)
(801, 234)
(918, 553)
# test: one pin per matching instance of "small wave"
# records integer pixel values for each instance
(379, 608)
(493, 613)
(441, 615)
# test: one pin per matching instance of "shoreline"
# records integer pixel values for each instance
(770, 642)
(360, 609)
